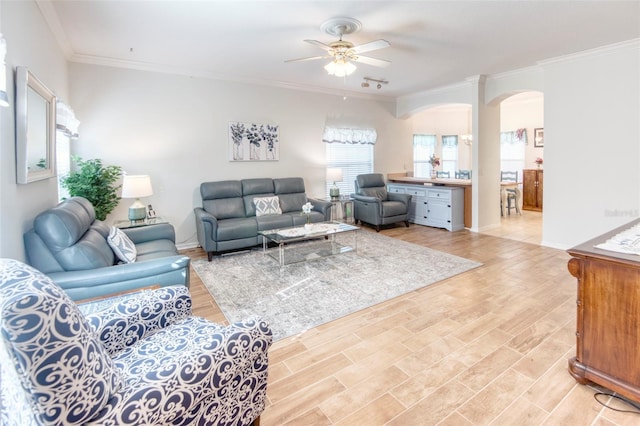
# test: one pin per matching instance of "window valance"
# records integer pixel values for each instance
(351, 136)
(516, 136)
(66, 121)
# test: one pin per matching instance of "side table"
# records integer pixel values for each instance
(342, 209)
(123, 224)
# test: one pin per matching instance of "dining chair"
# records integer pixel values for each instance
(443, 175)
(511, 193)
(463, 174)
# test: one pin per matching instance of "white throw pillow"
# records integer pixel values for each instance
(122, 245)
(267, 205)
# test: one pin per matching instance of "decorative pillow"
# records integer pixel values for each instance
(122, 245)
(267, 205)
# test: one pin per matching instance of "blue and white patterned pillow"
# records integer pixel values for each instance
(122, 245)
(267, 205)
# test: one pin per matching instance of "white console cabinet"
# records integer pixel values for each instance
(437, 206)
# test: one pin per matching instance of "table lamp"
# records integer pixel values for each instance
(136, 186)
(334, 175)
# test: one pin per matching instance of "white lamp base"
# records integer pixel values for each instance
(137, 211)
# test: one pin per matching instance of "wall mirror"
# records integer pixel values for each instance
(35, 128)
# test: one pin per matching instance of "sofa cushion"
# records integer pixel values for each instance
(292, 202)
(274, 222)
(378, 192)
(288, 185)
(234, 229)
(393, 208)
(267, 205)
(63, 225)
(122, 245)
(225, 208)
(62, 365)
(257, 186)
(155, 249)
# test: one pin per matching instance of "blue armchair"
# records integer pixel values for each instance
(136, 359)
(372, 203)
(69, 245)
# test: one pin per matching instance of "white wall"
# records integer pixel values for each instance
(174, 128)
(592, 143)
(30, 44)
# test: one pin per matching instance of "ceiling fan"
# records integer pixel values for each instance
(343, 52)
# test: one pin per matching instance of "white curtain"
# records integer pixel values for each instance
(424, 146)
(66, 121)
(350, 136)
(512, 151)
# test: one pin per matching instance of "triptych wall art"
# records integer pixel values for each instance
(253, 142)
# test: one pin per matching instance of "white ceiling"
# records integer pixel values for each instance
(433, 43)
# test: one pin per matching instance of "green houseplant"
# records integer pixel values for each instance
(96, 183)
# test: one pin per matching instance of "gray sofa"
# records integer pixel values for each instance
(227, 219)
(69, 245)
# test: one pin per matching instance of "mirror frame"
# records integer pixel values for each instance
(26, 81)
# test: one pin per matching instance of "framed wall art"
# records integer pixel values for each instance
(253, 142)
(538, 137)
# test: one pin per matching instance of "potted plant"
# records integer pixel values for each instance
(96, 183)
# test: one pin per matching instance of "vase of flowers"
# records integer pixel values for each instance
(435, 162)
(539, 162)
(306, 210)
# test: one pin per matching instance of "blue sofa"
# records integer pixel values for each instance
(139, 359)
(227, 219)
(69, 245)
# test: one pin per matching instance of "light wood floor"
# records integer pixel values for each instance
(489, 346)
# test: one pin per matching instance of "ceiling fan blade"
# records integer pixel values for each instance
(373, 45)
(372, 61)
(311, 58)
(320, 44)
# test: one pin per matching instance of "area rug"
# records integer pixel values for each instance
(304, 295)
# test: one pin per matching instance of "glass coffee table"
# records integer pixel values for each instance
(303, 243)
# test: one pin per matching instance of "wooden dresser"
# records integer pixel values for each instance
(608, 316)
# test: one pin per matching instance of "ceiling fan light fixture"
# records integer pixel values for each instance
(340, 68)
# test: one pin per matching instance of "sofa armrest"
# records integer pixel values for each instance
(143, 234)
(206, 229)
(121, 321)
(321, 206)
(170, 270)
(403, 198)
(215, 374)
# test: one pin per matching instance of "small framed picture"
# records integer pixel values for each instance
(538, 137)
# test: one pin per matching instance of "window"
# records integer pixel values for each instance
(66, 129)
(424, 146)
(450, 154)
(63, 162)
(512, 151)
(353, 159)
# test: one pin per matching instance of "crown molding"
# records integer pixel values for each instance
(166, 69)
(51, 18)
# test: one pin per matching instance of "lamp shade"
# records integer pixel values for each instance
(334, 175)
(340, 68)
(136, 186)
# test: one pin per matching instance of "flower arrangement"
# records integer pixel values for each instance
(539, 161)
(434, 161)
(306, 210)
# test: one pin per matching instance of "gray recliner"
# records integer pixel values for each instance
(374, 205)
(69, 245)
